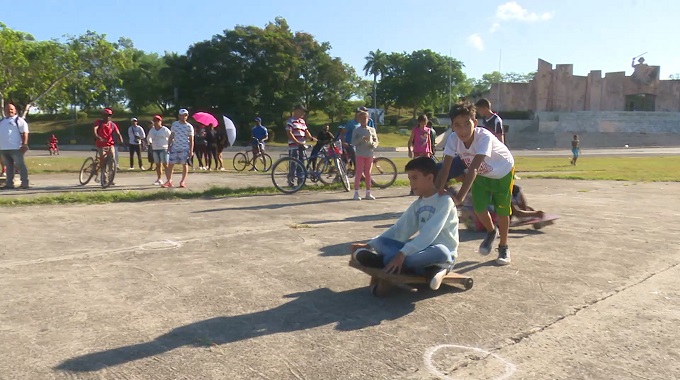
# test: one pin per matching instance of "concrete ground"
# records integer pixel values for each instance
(259, 287)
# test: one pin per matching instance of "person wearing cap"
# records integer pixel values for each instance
(297, 132)
(181, 147)
(104, 130)
(158, 140)
(136, 135)
(259, 135)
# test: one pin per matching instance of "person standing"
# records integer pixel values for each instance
(136, 135)
(420, 144)
(575, 149)
(13, 146)
(491, 121)
(211, 146)
(365, 140)
(297, 132)
(181, 147)
(158, 141)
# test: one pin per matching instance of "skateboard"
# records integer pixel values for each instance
(381, 282)
(537, 223)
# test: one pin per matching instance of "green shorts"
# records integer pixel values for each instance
(494, 191)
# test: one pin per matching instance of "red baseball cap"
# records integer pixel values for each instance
(157, 117)
(107, 111)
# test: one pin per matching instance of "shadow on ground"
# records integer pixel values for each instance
(352, 310)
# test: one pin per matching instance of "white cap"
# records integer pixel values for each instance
(133, 119)
(183, 111)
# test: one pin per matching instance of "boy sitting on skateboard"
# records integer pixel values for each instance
(490, 175)
(433, 216)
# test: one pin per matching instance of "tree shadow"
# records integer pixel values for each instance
(277, 206)
(352, 310)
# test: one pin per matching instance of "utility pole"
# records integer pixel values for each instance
(450, 80)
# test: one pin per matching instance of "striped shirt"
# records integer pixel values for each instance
(299, 129)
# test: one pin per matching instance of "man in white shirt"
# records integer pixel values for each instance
(158, 141)
(13, 145)
(136, 135)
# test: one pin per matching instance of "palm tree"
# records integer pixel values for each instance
(376, 61)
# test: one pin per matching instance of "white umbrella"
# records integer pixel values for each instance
(231, 130)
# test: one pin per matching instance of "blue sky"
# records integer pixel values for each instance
(593, 35)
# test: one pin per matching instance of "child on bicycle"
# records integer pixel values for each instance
(323, 138)
(259, 135)
(52, 144)
(297, 132)
(433, 216)
(364, 140)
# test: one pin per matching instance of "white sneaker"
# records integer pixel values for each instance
(131, 168)
(369, 196)
(357, 197)
(437, 279)
(158, 183)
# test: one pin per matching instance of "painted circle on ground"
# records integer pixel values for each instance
(508, 368)
(160, 245)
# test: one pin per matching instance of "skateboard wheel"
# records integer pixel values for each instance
(469, 283)
(537, 226)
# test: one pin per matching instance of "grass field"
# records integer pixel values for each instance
(593, 168)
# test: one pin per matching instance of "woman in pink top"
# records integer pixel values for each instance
(419, 144)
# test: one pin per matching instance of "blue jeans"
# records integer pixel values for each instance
(12, 159)
(434, 255)
(296, 170)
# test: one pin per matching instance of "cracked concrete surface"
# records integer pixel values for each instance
(259, 287)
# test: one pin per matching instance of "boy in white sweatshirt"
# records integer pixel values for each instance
(433, 250)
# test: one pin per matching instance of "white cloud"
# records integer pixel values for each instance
(512, 11)
(476, 41)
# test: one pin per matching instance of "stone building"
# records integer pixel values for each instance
(596, 108)
(559, 90)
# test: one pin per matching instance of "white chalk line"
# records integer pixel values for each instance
(510, 368)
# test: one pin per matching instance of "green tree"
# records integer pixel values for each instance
(376, 63)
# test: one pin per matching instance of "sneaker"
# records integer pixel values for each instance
(369, 196)
(437, 278)
(141, 168)
(24, 186)
(131, 168)
(357, 197)
(503, 255)
(368, 258)
(252, 170)
(487, 243)
(157, 183)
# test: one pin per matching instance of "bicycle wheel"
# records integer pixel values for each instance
(108, 172)
(326, 171)
(240, 162)
(342, 173)
(87, 171)
(383, 173)
(263, 162)
(288, 175)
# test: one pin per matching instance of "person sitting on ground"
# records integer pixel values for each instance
(433, 251)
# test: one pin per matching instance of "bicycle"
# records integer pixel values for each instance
(290, 174)
(93, 166)
(383, 173)
(243, 160)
